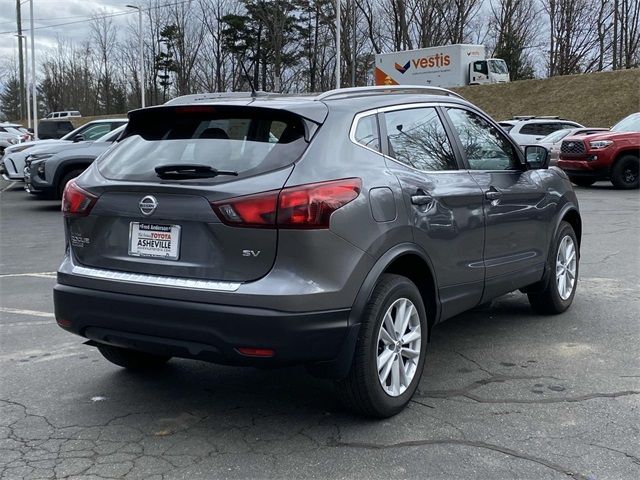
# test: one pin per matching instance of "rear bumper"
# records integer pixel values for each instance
(204, 331)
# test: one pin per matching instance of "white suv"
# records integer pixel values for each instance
(529, 130)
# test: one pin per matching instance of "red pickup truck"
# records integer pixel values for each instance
(613, 155)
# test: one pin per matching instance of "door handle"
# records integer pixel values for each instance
(421, 198)
(493, 194)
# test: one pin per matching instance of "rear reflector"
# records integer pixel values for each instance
(77, 202)
(305, 206)
(256, 352)
(63, 323)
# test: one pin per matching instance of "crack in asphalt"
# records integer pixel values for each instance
(465, 443)
(633, 458)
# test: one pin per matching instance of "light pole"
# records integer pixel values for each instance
(140, 46)
(26, 76)
(33, 77)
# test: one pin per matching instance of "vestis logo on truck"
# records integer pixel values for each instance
(402, 69)
(434, 61)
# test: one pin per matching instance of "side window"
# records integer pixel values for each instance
(416, 137)
(96, 131)
(486, 147)
(367, 132)
(532, 129)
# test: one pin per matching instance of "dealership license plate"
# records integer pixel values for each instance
(151, 240)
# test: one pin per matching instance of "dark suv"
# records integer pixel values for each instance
(333, 231)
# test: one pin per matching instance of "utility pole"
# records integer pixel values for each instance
(141, 48)
(353, 47)
(338, 22)
(26, 78)
(33, 77)
(24, 107)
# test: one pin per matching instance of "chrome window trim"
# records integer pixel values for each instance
(157, 280)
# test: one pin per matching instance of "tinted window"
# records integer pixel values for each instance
(367, 132)
(543, 129)
(241, 139)
(485, 146)
(417, 138)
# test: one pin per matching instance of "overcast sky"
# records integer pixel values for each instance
(47, 13)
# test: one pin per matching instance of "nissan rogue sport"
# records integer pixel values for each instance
(332, 231)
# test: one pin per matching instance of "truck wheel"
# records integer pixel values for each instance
(624, 173)
(390, 352)
(561, 285)
(66, 179)
(582, 182)
(132, 359)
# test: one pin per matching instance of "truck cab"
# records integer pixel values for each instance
(491, 70)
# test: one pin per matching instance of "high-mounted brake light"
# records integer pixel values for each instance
(77, 202)
(304, 206)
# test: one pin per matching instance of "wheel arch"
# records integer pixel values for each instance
(410, 261)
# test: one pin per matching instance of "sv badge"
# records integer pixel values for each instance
(250, 253)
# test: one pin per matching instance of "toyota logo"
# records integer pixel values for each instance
(148, 205)
(571, 144)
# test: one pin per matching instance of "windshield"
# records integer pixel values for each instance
(628, 124)
(555, 137)
(239, 139)
(498, 66)
(111, 136)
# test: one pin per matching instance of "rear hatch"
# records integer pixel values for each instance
(158, 190)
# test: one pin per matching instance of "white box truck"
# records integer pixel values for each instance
(446, 66)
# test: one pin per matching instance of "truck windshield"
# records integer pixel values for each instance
(628, 124)
(498, 66)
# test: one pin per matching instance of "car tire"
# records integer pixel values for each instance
(625, 172)
(559, 291)
(132, 359)
(362, 391)
(582, 182)
(63, 183)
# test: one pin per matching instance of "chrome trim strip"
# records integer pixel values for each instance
(158, 280)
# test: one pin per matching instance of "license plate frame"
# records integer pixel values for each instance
(164, 253)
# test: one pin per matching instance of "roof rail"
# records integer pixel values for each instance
(531, 117)
(199, 97)
(389, 89)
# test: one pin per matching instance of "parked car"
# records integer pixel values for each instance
(55, 128)
(65, 114)
(48, 173)
(9, 135)
(529, 130)
(553, 141)
(13, 163)
(377, 213)
(612, 155)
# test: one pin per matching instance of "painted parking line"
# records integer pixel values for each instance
(32, 313)
(11, 185)
(54, 352)
(35, 274)
(26, 324)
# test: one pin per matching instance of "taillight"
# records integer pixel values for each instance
(77, 202)
(305, 206)
(249, 211)
(310, 206)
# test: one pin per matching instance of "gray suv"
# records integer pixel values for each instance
(333, 231)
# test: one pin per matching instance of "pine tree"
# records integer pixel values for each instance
(10, 99)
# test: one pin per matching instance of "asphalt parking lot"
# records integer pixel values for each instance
(505, 394)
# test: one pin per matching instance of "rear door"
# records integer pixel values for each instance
(181, 225)
(443, 202)
(516, 216)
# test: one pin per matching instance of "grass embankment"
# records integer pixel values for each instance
(593, 99)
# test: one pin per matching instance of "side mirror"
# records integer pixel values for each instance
(78, 138)
(536, 157)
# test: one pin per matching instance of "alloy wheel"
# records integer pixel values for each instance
(566, 267)
(399, 342)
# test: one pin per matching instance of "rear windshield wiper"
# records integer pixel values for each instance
(182, 172)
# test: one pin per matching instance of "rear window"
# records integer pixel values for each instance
(245, 140)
